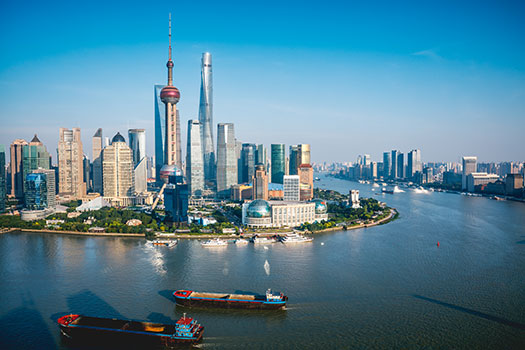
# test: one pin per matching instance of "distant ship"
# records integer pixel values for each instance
(270, 301)
(317, 179)
(147, 334)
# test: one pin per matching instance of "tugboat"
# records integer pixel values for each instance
(270, 301)
(186, 330)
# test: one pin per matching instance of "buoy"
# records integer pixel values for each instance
(438, 244)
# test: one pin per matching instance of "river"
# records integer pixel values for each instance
(383, 287)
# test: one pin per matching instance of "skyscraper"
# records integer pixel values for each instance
(34, 156)
(303, 154)
(137, 143)
(469, 167)
(16, 165)
(194, 159)
(386, 165)
(260, 155)
(260, 182)
(70, 163)
(117, 162)
(97, 161)
(247, 162)
(226, 159)
(293, 160)
(206, 117)
(160, 132)
(36, 193)
(50, 186)
(306, 177)
(3, 190)
(86, 168)
(170, 96)
(278, 162)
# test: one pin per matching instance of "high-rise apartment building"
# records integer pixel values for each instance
(137, 143)
(247, 162)
(386, 165)
(226, 159)
(17, 169)
(394, 169)
(260, 183)
(194, 159)
(469, 167)
(414, 163)
(400, 165)
(278, 162)
(97, 161)
(3, 188)
(117, 163)
(306, 177)
(70, 163)
(291, 188)
(170, 96)
(206, 117)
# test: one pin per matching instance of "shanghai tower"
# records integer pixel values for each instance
(170, 95)
(206, 117)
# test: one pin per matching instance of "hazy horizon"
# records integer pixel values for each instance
(349, 79)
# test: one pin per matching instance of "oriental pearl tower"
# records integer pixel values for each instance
(170, 95)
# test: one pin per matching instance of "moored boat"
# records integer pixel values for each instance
(263, 240)
(76, 327)
(296, 238)
(241, 241)
(164, 242)
(214, 243)
(269, 301)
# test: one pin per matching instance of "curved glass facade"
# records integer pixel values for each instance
(259, 208)
(278, 160)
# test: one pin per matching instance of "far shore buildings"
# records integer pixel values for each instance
(16, 164)
(97, 161)
(71, 164)
(469, 167)
(226, 159)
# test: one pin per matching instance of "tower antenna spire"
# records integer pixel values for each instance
(170, 34)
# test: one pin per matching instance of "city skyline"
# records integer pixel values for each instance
(435, 96)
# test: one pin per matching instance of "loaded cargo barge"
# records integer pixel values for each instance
(186, 330)
(270, 301)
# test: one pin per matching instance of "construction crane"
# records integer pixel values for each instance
(158, 197)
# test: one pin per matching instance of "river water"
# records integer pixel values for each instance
(382, 287)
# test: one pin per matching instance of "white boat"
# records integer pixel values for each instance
(241, 241)
(375, 184)
(214, 243)
(263, 240)
(164, 242)
(296, 238)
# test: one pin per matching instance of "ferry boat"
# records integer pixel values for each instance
(186, 330)
(214, 243)
(164, 242)
(263, 240)
(270, 301)
(295, 238)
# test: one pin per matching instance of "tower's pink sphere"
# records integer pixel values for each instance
(170, 94)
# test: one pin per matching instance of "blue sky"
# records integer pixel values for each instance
(347, 77)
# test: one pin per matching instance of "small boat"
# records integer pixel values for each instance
(164, 242)
(317, 179)
(295, 238)
(186, 330)
(263, 240)
(241, 241)
(386, 190)
(214, 243)
(270, 301)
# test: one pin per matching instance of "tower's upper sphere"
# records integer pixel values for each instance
(170, 94)
(169, 64)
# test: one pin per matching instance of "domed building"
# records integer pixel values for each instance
(262, 213)
(172, 171)
(321, 209)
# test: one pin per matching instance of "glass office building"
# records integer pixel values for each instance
(278, 162)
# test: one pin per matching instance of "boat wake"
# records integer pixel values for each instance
(267, 267)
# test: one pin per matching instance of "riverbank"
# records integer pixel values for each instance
(391, 216)
(74, 233)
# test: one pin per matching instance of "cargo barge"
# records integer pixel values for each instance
(270, 301)
(76, 327)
